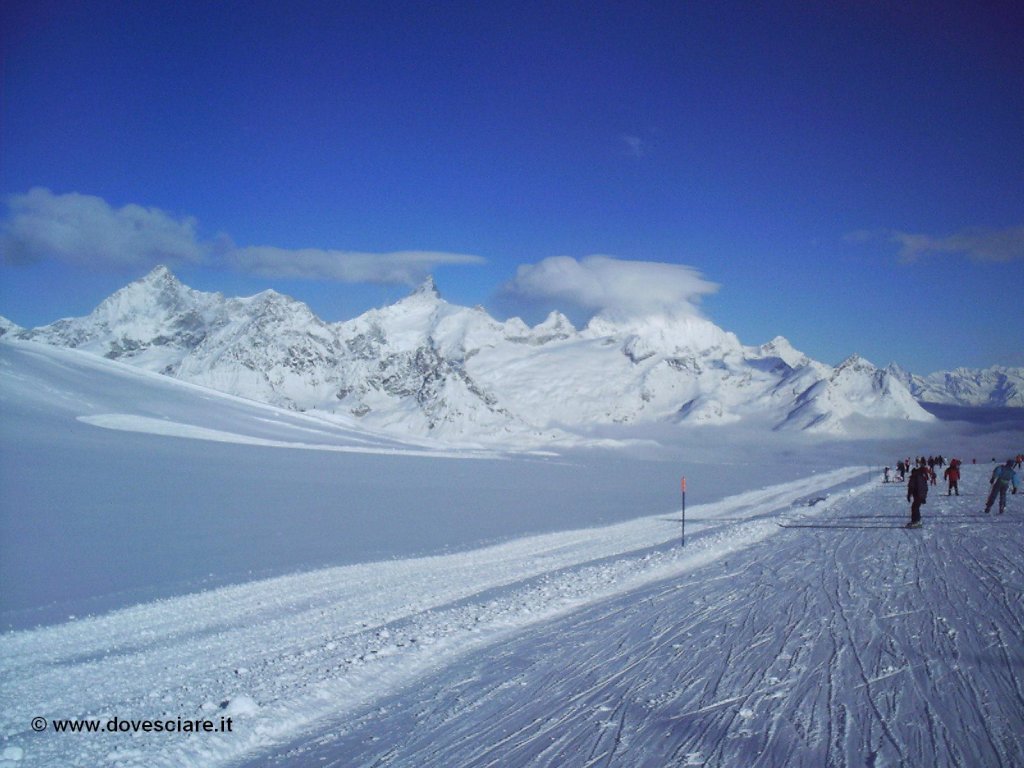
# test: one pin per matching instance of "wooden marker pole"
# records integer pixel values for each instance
(682, 519)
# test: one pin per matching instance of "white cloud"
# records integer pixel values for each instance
(978, 244)
(344, 266)
(86, 231)
(999, 245)
(614, 287)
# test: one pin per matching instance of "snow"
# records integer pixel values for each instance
(994, 387)
(424, 367)
(120, 486)
(131, 423)
(350, 599)
(843, 639)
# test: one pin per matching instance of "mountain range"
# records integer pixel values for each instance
(998, 386)
(424, 367)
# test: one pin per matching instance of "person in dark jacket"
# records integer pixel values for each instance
(952, 474)
(917, 491)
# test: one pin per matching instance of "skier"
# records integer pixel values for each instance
(917, 492)
(886, 480)
(1000, 480)
(952, 474)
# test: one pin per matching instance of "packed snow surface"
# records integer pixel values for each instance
(800, 625)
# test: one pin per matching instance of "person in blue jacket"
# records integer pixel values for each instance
(1001, 479)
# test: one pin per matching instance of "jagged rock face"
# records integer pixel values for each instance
(425, 367)
(154, 323)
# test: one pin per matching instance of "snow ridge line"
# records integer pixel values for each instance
(312, 647)
(127, 422)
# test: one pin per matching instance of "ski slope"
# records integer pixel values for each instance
(840, 639)
(121, 486)
(844, 641)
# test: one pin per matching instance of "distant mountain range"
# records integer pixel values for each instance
(428, 368)
(997, 386)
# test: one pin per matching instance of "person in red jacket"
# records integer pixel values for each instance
(952, 474)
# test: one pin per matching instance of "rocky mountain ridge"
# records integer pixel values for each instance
(996, 387)
(425, 367)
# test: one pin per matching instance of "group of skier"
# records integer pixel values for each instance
(923, 475)
(903, 466)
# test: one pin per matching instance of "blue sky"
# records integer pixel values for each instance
(849, 175)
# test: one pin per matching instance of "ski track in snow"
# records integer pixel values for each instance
(846, 642)
(840, 641)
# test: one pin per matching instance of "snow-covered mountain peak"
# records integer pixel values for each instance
(425, 290)
(858, 388)
(557, 321)
(272, 303)
(153, 321)
(419, 309)
(424, 367)
(897, 370)
(858, 364)
(141, 308)
(856, 360)
(159, 274)
(160, 285)
(665, 334)
(408, 324)
(159, 288)
(555, 326)
(780, 348)
(6, 327)
(997, 386)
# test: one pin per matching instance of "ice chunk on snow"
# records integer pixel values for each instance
(240, 706)
(11, 755)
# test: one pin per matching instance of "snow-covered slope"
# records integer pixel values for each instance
(782, 634)
(345, 599)
(997, 386)
(425, 367)
(119, 485)
(6, 326)
(854, 387)
(58, 385)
